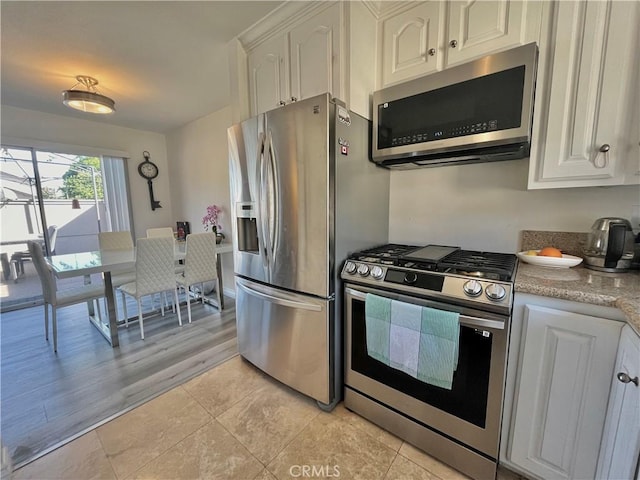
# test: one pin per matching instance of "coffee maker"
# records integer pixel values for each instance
(610, 247)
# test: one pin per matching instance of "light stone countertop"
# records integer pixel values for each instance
(579, 284)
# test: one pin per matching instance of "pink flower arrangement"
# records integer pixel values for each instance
(211, 218)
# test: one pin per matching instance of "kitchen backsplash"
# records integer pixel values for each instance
(571, 243)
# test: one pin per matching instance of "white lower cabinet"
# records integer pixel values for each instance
(559, 393)
(621, 438)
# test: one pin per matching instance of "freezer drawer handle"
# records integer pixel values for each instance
(282, 301)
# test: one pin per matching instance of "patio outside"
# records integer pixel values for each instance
(72, 200)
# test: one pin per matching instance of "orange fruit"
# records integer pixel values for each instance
(550, 252)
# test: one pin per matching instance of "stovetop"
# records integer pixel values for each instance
(483, 280)
(443, 259)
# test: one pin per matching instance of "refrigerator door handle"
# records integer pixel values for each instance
(273, 196)
(262, 230)
(280, 300)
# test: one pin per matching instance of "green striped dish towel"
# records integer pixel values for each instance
(377, 311)
(420, 341)
(439, 346)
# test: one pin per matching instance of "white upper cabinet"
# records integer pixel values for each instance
(475, 28)
(431, 36)
(269, 85)
(585, 104)
(410, 42)
(296, 62)
(314, 47)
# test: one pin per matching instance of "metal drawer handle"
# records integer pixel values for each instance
(431, 51)
(624, 378)
(281, 301)
(453, 43)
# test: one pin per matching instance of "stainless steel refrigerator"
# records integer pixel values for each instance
(305, 195)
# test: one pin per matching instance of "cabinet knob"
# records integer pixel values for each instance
(281, 103)
(624, 378)
(294, 99)
(601, 161)
(431, 51)
(453, 43)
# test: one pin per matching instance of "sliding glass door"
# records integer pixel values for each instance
(61, 200)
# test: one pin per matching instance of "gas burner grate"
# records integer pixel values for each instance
(473, 262)
(390, 250)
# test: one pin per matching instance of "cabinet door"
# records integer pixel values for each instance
(563, 386)
(268, 85)
(410, 43)
(315, 59)
(621, 437)
(476, 28)
(593, 52)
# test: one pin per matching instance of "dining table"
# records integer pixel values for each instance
(107, 262)
(104, 262)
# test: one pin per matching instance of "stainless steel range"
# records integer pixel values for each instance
(458, 425)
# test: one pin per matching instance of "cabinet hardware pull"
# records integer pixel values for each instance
(624, 378)
(294, 99)
(281, 103)
(432, 52)
(453, 43)
(604, 149)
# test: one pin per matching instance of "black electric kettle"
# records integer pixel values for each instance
(610, 245)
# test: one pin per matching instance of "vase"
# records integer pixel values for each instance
(219, 238)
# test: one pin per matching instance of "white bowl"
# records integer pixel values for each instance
(555, 262)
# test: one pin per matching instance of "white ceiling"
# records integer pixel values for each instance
(163, 62)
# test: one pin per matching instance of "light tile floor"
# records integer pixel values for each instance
(234, 422)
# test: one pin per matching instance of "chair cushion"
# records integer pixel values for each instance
(75, 295)
(122, 278)
(128, 288)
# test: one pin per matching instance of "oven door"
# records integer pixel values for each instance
(469, 413)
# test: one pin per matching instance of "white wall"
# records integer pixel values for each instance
(485, 206)
(199, 166)
(44, 127)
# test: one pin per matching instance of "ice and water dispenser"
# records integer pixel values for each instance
(247, 226)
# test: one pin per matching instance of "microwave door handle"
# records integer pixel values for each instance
(466, 320)
(280, 300)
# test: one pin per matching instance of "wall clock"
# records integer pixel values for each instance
(149, 171)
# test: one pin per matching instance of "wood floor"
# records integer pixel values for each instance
(47, 398)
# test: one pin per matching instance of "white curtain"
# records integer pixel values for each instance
(116, 197)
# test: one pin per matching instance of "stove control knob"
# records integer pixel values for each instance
(377, 272)
(350, 268)
(363, 269)
(473, 288)
(410, 278)
(495, 292)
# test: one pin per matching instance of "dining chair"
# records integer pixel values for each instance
(55, 298)
(18, 258)
(155, 273)
(160, 232)
(164, 232)
(114, 241)
(199, 265)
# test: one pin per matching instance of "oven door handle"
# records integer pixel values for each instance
(465, 320)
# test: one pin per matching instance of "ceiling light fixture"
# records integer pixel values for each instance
(88, 99)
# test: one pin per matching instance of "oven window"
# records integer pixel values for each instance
(468, 397)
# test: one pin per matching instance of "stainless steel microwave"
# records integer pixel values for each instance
(480, 111)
